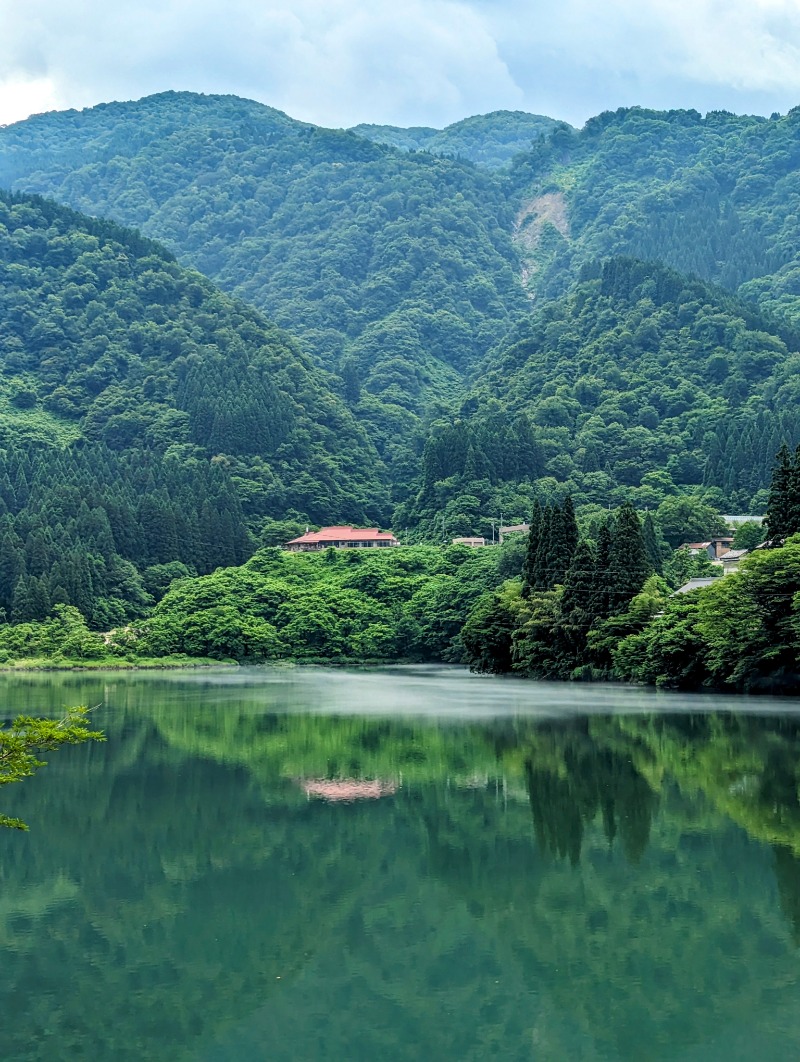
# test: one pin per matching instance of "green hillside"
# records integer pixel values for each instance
(328, 232)
(405, 273)
(715, 196)
(638, 385)
(146, 419)
(489, 140)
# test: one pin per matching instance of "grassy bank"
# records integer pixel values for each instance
(113, 663)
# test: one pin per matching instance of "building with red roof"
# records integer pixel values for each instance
(341, 538)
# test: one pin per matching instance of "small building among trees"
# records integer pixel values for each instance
(341, 538)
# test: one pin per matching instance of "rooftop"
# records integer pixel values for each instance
(343, 534)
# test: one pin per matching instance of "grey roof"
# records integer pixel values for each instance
(694, 584)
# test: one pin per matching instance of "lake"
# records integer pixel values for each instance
(300, 864)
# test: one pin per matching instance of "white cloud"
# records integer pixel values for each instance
(20, 97)
(332, 61)
(339, 62)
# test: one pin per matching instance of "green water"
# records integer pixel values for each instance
(520, 871)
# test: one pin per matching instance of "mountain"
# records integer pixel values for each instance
(147, 419)
(715, 196)
(490, 140)
(638, 385)
(657, 250)
(396, 269)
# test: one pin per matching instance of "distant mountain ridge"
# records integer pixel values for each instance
(714, 195)
(396, 270)
(490, 140)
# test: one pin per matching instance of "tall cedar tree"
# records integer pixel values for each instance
(541, 563)
(600, 602)
(628, 562)
(651, 544)
(529, 564)
(576, 606)
(794, 496)
(557, 542)
(779, 506)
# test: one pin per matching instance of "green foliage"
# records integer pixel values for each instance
(489, 140)
(169, 420)
(24, 739)
(488, 632)
(748, 535)
(397, 269)
(574, 601)
(783, 507)
(403, 603)
(712, 196)
(613, 394)
(741, 633)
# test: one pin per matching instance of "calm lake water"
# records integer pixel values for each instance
(412, 864)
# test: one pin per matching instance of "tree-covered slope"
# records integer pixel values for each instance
(489, 140)
(147, 418)
(331, 234)
(715, 196)
(638, 385)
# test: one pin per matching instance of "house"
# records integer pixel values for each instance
(730, 560)
(714, 548)
(468, 540)
(513, 529)
(693, 584)
(341, 538)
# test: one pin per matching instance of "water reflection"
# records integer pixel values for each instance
(230, 877)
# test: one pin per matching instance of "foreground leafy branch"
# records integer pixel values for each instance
(23, 740)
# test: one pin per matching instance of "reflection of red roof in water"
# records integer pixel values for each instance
(347, 788)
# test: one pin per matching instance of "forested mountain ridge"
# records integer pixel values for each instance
(399, 270)
(148, 419)
(713, 195)
(639, 384)
(328, 232)
(490, 140)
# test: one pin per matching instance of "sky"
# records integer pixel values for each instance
(416, 62)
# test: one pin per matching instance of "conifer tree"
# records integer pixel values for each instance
(541, 568)
(651, 544)
(600, 601)
(628, 563)
(794, 496)
(529, 564)
(561, 543)
(779, 506)
(576, 607)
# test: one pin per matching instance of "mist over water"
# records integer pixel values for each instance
(302, 863)
(437, 691)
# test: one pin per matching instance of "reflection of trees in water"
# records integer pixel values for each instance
(787, 874)
(588, 779)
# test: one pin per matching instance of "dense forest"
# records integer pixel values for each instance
(396, 270)
(504, 317)
(406, 273)
(711, 195)
(639, 385)
(490, 140)
(148, 420)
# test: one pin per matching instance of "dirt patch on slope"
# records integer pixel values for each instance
(529, 225)
(531, 219)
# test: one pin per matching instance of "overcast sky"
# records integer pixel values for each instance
(405, 62)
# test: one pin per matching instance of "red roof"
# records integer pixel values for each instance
(344, 534)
